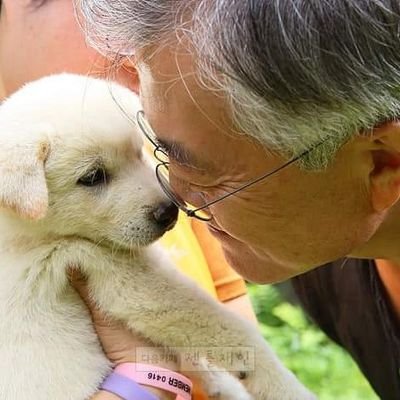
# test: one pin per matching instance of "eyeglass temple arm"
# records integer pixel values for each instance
(256, 180)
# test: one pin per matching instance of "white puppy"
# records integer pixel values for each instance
(76, 189)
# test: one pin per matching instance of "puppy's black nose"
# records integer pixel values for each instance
(166, 215)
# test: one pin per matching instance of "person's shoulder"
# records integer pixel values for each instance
(331, 290)
(326, 290)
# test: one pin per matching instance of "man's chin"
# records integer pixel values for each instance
(255, 269)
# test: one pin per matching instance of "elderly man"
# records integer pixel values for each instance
(279, 120)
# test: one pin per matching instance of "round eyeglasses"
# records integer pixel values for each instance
(162, 173)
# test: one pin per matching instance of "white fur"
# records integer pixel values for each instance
(51, 132)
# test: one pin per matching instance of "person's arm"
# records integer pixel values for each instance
(105, 396)
(119, 343)
(242, 306)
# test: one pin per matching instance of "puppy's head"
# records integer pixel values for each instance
(72, 164)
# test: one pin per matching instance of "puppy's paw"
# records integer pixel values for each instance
(219, 384)
(287, 390)
(264, 376)
(270, 380)
(224, 386)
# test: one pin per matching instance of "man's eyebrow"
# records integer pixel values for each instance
(177, 152)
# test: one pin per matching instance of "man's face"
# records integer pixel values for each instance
(293, 221)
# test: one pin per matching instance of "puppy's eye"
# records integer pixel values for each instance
(94, 178)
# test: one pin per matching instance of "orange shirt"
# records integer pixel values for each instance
(197, 254)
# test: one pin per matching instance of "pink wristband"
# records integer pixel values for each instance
(158, 377)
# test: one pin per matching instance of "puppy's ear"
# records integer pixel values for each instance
(23, 152)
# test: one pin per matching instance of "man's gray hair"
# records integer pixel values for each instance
(296, 72)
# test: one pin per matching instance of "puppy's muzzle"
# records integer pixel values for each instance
(166, 215)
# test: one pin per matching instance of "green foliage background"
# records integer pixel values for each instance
(319, 363)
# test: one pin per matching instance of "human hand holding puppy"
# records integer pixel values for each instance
(118, 342)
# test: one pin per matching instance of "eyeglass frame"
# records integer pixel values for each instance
(182, 205)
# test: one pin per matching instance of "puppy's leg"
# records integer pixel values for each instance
(219, 384)
(153, 298)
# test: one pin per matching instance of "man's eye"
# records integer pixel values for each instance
(94, 178)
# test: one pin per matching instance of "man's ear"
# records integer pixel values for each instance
(23, 152)
(129, 75)
(385, 176)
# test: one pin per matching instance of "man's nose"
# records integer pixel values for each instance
(184, 194)
(196, 199)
